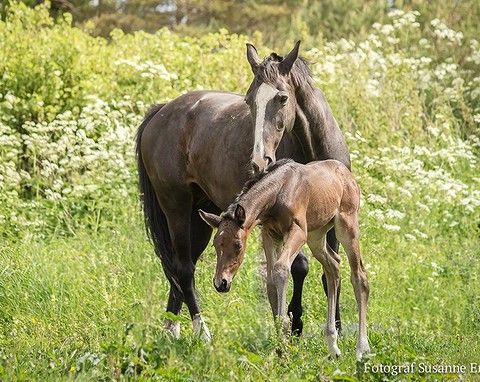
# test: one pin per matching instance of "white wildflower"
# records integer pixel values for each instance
(391, 227)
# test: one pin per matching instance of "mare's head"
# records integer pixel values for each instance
(271, 98)
(229, 242)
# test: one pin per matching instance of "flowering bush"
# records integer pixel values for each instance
(70, 104)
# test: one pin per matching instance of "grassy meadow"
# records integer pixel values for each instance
(82, 295)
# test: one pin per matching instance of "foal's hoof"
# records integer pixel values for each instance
(335, 352)
(331, 337)
(363, 351)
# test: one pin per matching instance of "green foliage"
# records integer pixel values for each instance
(81, 293)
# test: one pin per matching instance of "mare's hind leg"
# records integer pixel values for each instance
(174, 305)
(179, 218)
(334, 245)
(330, 263)
(299, 271)
(346, 226)
(200, 234)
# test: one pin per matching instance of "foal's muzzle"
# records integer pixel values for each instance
(223, 287)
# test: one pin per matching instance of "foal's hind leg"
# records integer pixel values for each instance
(334, 245)
(346, 226)
(330, 263)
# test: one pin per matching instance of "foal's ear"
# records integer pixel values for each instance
(211, 219)
(252, 57)
(287, 63)
(240, 215)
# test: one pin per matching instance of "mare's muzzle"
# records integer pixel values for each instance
(258, 165)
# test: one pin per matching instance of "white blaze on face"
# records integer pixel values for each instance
(264, 94)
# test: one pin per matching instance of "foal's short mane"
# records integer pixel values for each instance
(300, 73)
(230, 212)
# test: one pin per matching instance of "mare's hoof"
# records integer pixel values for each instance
(296, 321)
(200, 329)
(172, 328)
(297, 327)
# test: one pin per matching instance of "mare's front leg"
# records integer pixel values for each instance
(299, 271)
(293, 241)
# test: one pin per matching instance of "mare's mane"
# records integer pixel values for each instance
(300, 72)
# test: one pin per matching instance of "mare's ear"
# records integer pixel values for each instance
(252, 57)
(240, 215)
(287, 63)
(211, 219)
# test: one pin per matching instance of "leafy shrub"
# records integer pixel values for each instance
(70, 104)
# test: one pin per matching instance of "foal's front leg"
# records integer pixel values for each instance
(269, 246)
(293, 241)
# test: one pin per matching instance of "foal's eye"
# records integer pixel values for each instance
(237, 246)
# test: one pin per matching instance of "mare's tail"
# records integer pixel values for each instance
(155, 220)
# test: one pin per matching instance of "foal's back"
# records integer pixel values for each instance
(319, 190)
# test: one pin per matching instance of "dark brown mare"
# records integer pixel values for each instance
(296, 204)
(198, 150)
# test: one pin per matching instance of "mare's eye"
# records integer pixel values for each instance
(282, 98)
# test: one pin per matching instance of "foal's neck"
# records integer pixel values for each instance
(260, 198)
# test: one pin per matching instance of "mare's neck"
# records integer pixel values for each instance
(316, 129)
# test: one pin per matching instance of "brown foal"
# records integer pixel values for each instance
(296, 204)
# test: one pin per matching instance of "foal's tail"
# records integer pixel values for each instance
(155, 220)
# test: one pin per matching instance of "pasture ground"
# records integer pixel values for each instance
(91, 307)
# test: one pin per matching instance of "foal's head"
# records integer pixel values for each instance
(229, 242)
(271, 98)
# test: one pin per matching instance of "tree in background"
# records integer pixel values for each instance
(278, 21)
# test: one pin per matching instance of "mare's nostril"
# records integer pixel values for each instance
(268, 160)
(223, 287)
